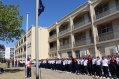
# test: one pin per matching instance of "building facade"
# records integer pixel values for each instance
(12, 53)
(91, 29)
(27, 44)
(9, 54)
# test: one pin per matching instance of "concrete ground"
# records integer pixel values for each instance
(19, 73)
(50, 74)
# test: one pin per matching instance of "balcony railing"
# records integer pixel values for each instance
(52, 36)
(112, 9)
(105, 36)
(78, 24)
(80, 42)
(64, 31)
(65, 46)
(53, 48)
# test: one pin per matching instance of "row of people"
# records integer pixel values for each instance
(89, 66)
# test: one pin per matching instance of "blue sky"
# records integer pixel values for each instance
(54, 11)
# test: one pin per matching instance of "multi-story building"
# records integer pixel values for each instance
(9, 54)
(92, 28)
(28, 40)
(12, 53)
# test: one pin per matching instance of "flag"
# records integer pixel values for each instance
(41, 7)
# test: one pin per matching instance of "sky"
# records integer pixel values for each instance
(54, 11)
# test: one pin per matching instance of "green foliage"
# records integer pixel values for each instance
(10, 23)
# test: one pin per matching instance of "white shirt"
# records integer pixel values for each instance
(105, 62)
(93, 61)
(82, 62)
(64, 62)
(59, 62)
(117, 60)
(27, 63)
(78, 61)
(69, 61)
(85, 62)
(98, 62)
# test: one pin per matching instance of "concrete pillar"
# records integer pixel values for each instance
(72, 37)
(93, 28)
(57, 32)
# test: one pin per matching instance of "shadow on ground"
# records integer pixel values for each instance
(13, 70)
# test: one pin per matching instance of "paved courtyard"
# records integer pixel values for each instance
(19, 73)
(50, 74)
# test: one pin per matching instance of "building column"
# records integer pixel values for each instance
(72, 37)
(93, 28)
(58, 44)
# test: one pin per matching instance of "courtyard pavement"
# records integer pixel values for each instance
(19, 73)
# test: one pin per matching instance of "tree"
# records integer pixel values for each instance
(10, 23)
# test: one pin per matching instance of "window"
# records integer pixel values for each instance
(52, 55)
(63, 27)
(24, 39)
(55, 55)
(21, 41)
(78, 19)
(49, 55)
(53, 44)
(105, 28)
(69, 54)
(52, 32)
(29, 34)
(77, 54)
(24, 48)
(80, 36)
(64, 41)
(102, 8)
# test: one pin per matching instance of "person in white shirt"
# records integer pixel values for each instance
(98, 67)
(79, 65)
(82, 66)
(105, 67)
(93, 66)
(64, 63)
(85, 66)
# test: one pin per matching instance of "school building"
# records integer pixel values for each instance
(92, 28)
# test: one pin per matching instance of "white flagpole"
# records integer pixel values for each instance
(36, 41)
(26, 40)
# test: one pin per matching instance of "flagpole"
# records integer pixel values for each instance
(36, 41)
(26, 40)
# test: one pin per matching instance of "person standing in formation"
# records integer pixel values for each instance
(93, 66)
(105, 67)
(98, 67)
(113, 66)
(85, 66)
(29, 65)
(89, 66)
